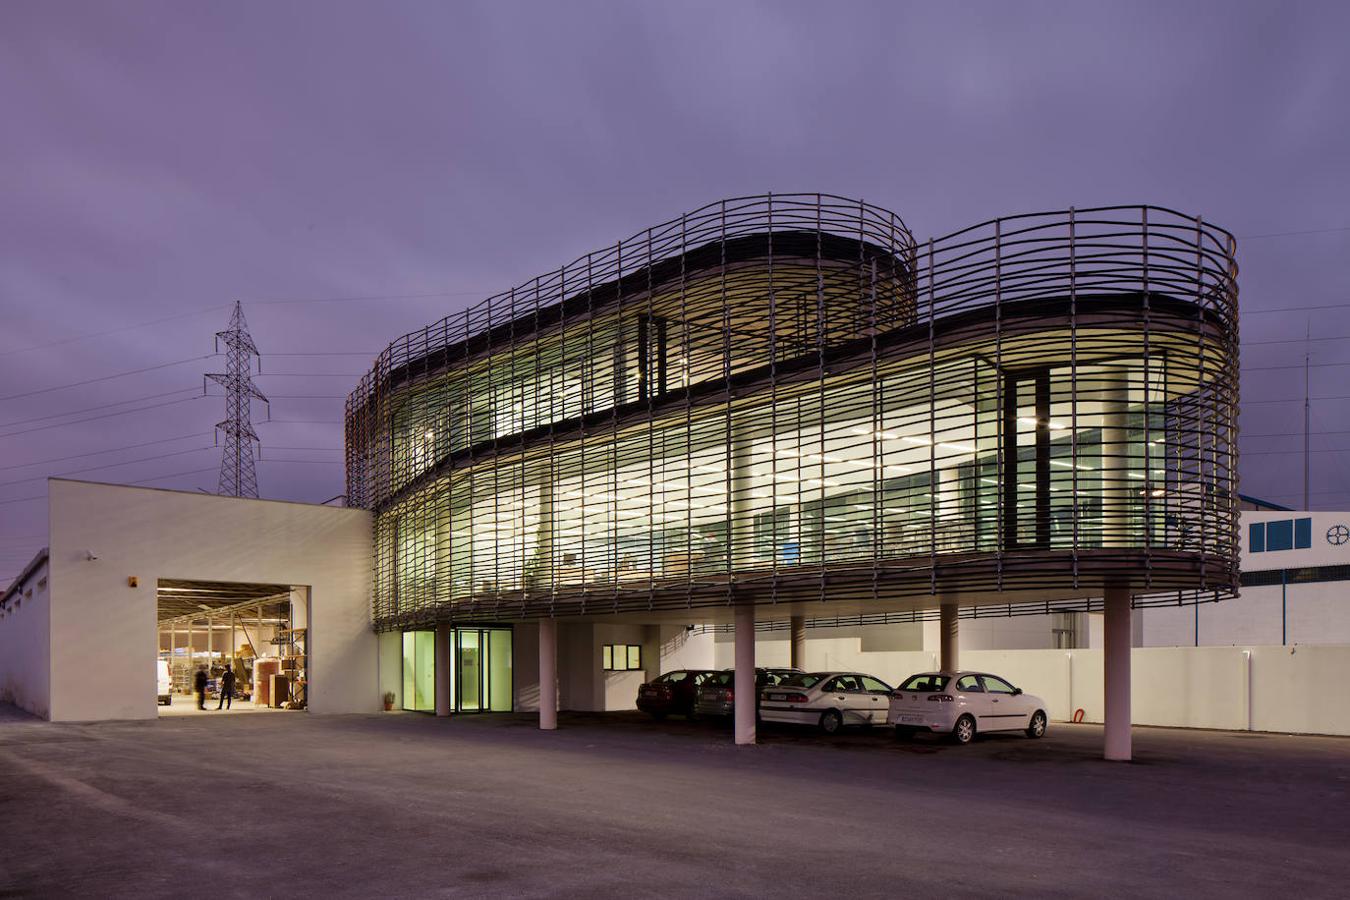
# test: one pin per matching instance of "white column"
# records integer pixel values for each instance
(548, 674)
(745, 674)
(443, 658)
(798, 655)
(1117, 672)
(948, 638)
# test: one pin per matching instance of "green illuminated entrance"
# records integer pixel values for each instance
(481, 677)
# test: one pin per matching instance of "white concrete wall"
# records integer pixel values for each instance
(25, 645)
(680, 648)
(1259, 688)
(103, 632)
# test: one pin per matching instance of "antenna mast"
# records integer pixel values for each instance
(1307, 410)
(238, 477)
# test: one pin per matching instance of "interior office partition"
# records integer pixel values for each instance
(788, 399)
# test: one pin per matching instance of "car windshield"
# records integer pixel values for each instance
(800, 680)
(721, 678)
(926, 683)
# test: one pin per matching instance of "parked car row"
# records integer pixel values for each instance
(958, 704)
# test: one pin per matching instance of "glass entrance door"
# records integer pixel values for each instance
(470, 668)
(483, 669)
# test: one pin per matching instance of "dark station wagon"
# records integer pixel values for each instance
(672, 693)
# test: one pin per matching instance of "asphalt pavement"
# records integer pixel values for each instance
(404, 805)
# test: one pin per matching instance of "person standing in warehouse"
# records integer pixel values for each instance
(199, 682)
(226, 688)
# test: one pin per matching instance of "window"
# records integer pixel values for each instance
(1280, 534)
(926, 684)
(621, 658)
(997, 685)
(969, 684)
(802, 680)
(1302, 534)
(871, 684)
(846, 683)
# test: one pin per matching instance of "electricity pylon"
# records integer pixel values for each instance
(238, 477)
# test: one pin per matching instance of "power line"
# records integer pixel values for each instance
(366, 299)
(296, 397)
(299, 422)
(41, 462)
(1286, 433)
(62, 387)
(1298, 450)
(1283, 309)
(317, 462)
(326, 353)
(76, 412)
(104, 416)
(174, 475)
(1339, 337)
(94, 334)
(1300, 368)
(22, 499)
(1275, 234)
(106, 466)
(1292, 400)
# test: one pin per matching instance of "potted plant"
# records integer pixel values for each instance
(388, 700)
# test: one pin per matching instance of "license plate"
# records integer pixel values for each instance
(778, 696)
(911, 720)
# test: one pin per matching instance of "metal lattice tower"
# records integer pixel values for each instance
(238, 477)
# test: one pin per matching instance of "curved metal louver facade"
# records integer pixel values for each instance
(789, 401)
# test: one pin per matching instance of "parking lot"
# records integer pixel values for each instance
(404, 804)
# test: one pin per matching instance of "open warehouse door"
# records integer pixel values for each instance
(231, 646)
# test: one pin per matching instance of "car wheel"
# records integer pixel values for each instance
(1037, 727)
(903, 732)
(964, 730)
(831, 722)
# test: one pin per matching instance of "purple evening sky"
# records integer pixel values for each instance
(160, 160)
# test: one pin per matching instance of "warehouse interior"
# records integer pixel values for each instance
(260, 631)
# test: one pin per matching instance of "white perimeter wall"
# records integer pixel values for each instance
(25, 658)
(103, 632)
(1257, 688)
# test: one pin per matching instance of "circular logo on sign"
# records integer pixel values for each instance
(1338, 534)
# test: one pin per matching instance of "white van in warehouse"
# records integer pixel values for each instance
(165, 683)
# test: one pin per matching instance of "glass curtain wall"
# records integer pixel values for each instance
(965, 456)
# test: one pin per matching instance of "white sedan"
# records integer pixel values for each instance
(963, 703)
(830, 700)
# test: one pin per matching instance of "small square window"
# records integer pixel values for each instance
(620, 657)
(1302, 534)
(1257, 542)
